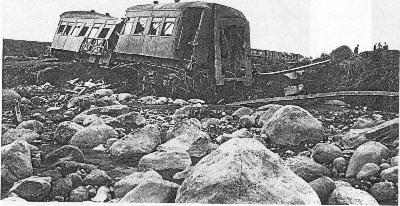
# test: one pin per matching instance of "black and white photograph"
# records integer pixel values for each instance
(267, 102)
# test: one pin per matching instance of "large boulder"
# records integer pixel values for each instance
(292, 125)
(129, 182)
(152, 191)
(352, 138)
(15, 163)
(184, 112)
(241, 112)
(19, 134)
(339, 165)
(346, 195)
(244, 171)
(325, 152)
(97, 177)
(79, 194)
(194, 141)
(103, 194)
(166, 163)
(386, 133)
(307, 168)
(323, 186)
(33, 125)
(365, 122)
(186, 126)
(137, 144)
(92, 136)
(383, 191)
(368, 170)
(113, 110)
(65, 131)
(264, 113)
(390, 174)
(32, 188)
(370, 152)
(64, 153)
(61, 187)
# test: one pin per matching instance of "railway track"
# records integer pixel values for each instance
(255, 102)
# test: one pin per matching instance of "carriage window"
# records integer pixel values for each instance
(128, 28)
(76, 29)
(168, 27)
(141, 25)
(155, 26)
(94, 31)
(67, 30)
(103, 33)
(83, 31)
(60, 29)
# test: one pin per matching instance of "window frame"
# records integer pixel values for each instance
(69, 24)
(131, 21)
(165, 21)
(137, 21)
(158, 30)
(77, 28)
(62, 24)
(84, 26)
(107, 26)
(96, 25)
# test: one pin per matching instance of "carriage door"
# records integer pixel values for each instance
(231, 62)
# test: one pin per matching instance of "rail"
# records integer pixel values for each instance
(317, 96)
(296, 68)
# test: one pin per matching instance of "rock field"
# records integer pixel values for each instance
(99, 145)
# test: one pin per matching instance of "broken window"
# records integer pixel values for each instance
(93, 32)
(61, 28)
(67, 29)
(83, 31)
(103, 33)
(155, 26)
(128, 27)
(168, 27)
(76, 29)
(141, 25)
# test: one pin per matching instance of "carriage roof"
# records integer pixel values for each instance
(86, 15)
(184, 5)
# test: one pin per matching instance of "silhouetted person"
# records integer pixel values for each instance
(379, 46)
(375, 47)
(356, 49)
(385, 46)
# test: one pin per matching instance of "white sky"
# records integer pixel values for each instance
(309, 27)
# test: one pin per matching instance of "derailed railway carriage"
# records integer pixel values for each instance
(191, 49)
(86, 35)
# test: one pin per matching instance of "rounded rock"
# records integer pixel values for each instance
(325, 152)
(383, 191)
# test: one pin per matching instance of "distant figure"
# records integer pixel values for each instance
(385, 46)
(379, 46)
(356, 49)
(375, 47)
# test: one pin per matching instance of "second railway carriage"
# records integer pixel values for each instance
(208, 43)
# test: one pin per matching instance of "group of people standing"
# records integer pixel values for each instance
(380, 47)
(377, 47)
